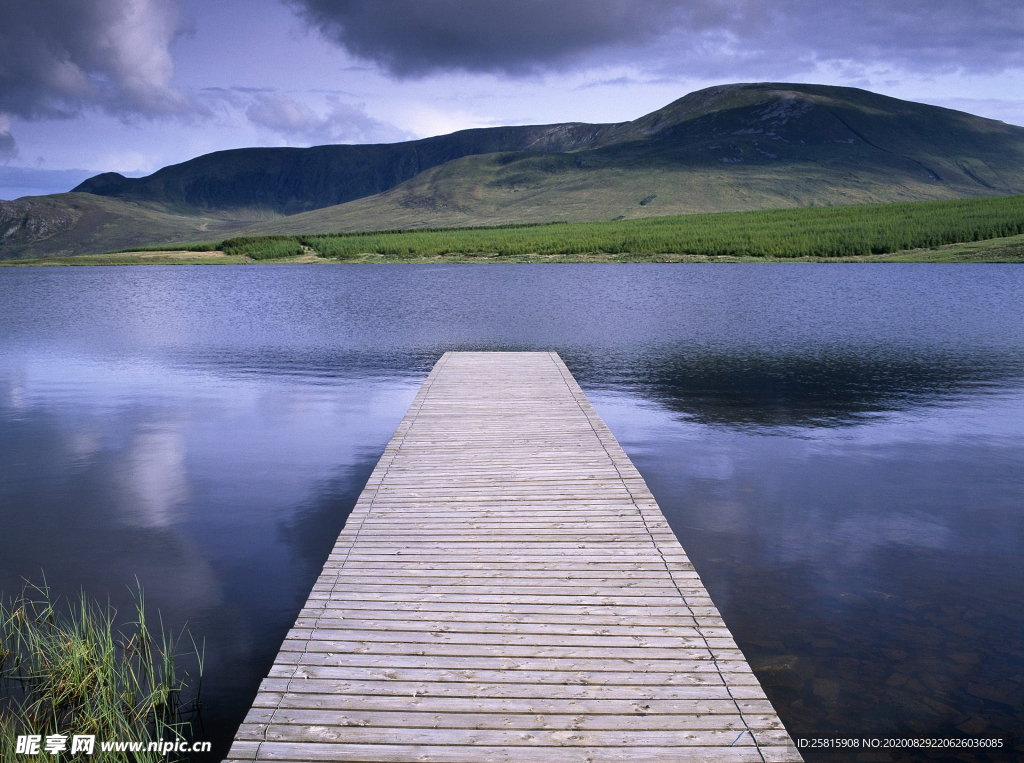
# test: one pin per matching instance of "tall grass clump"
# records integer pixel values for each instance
(78, 669)
(803, 232)
(263, 247)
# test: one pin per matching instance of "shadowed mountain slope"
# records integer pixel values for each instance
(276, 181)
(732, 147)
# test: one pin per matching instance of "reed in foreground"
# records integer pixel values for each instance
(80, 670)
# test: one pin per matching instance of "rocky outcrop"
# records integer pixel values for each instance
(26, 220)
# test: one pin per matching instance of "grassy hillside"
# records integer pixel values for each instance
(78, 223)
(729, 148)
(498, 190)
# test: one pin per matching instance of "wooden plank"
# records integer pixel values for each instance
(468, 719)
(507, 589)
(452, 736)
(370, 668)
(502, 706)
(391, 753)
(482, 689)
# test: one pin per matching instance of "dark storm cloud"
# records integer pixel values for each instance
(60, 56)
(713, 38)
(414, 37)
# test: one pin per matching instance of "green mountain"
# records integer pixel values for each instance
(734, 147)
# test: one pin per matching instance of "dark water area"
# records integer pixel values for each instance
(839, 448)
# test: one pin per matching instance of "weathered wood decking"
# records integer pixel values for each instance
(507, 589)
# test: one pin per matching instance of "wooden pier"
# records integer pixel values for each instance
(507, 590)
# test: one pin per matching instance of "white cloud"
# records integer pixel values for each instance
(298, 123)
(156, 476)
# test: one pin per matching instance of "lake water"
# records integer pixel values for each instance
(839, 448)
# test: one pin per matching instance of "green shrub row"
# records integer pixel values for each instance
(263, 247)
(809, 231)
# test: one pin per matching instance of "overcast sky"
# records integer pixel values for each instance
(132, 85)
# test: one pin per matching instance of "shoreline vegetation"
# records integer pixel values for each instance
(965, 230)
(77, 668)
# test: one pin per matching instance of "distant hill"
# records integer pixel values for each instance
(733, 147)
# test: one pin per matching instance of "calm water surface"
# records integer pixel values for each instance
(840, 449)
